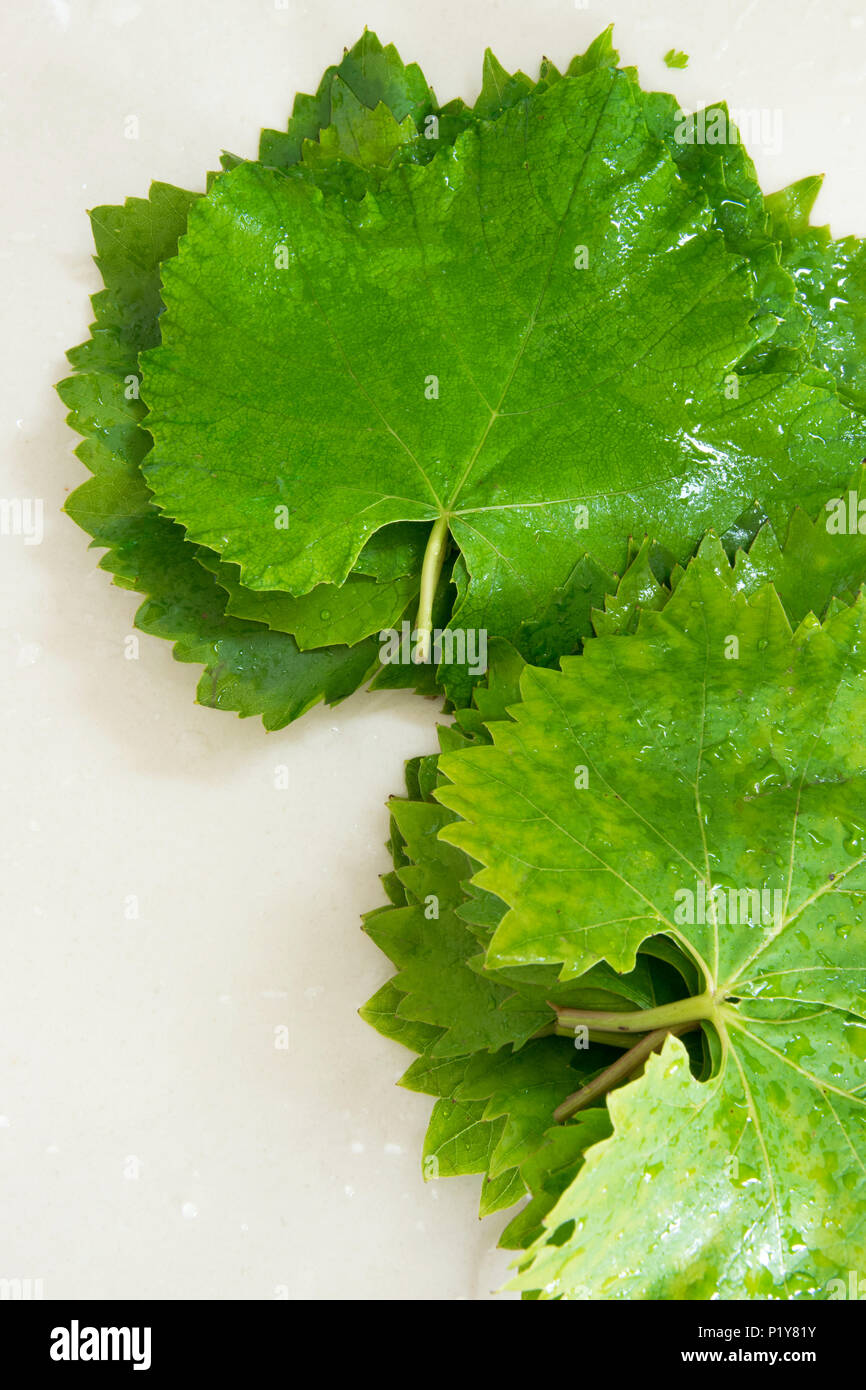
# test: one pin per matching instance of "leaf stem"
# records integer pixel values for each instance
(692, 1010)
(431, 569)
(617, 1071)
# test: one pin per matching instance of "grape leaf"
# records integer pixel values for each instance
(818, 558)
(248, 669)
(130, 244)
(337, 133)
(368, 76)
(738, 776)
(749, 1185)
(830, 280)
(380, 1011)
(377, 297)
(494, 1111)
(527, 778)
(710, 156)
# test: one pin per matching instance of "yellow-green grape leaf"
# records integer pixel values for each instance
(724, 804)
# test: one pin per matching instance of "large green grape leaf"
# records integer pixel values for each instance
(746, 726)
(624, 364)
(725, 805)
(361, 115)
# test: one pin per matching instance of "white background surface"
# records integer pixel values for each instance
(152, 1040)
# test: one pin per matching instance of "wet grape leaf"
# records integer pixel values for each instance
(725, 806)
(750, 1185)
(372, 301)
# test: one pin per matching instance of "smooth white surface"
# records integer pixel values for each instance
(146, 1046)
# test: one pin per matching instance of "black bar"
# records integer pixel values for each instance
(208, 1338)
